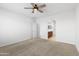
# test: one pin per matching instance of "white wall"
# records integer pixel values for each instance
(65, 27)
(13, 27)
(43, 26)
(77, 26)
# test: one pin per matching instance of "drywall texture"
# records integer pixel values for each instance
(77, 26)
(13, 27)
(65, 27)
(43, 27)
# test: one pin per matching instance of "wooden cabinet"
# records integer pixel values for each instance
(50, 34)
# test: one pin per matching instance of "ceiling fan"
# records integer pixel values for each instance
(36, 6)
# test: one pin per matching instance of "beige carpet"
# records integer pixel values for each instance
(39, 47)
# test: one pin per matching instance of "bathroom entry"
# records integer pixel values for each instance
(51, 30)
(50, 34)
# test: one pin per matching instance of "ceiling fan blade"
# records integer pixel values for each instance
(41, 6)
(33, 4)
(28, 8)
(40, 11)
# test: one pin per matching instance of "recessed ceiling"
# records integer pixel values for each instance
(50, 9)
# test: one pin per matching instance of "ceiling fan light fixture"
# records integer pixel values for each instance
(36, 7)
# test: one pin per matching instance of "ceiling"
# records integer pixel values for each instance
(50, 9)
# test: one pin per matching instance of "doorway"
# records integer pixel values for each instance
(50, 34)
(51, 30)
